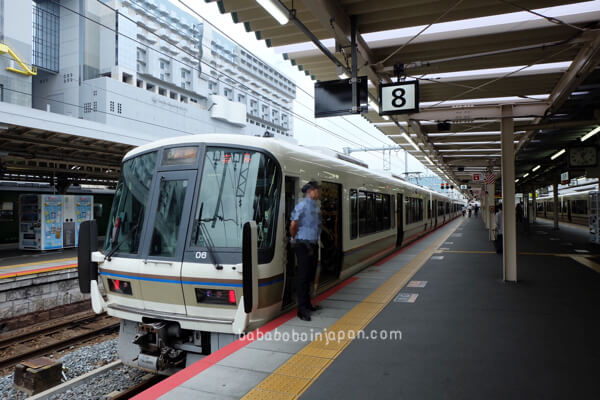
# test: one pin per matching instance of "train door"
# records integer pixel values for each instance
(163, 243)
(331, 234)
(289, 292)
(399, 220)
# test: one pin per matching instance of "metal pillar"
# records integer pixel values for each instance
(491, 202)
(508, 197)
(556, 204)
(533, 207)
(484, 209)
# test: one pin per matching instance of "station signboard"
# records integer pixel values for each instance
(564, 178)
(399, 98)
(463, 187)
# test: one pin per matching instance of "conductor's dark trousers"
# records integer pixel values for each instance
(307, 253)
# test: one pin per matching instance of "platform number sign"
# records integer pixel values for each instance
(399, 98)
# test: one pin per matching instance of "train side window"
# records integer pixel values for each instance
(353, 213)
(379, 212)
(362, 213)
(386, 211)
(371, 223)
(392, 200)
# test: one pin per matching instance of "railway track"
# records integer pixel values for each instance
(37, 341)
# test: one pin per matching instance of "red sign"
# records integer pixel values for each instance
(476, 177)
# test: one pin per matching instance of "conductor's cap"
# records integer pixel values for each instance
(310, 185)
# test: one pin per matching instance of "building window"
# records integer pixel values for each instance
(87, 108)
(241, 98)
(228, 92)
(213, 87)
(46, 30)
(95, 106)
(162, 91)
(254, 107)
(275, 115)
(1, 92)
(119, 108)
(141, 60)
(112, 106)
(165, 70)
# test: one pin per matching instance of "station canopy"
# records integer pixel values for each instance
(471, 57)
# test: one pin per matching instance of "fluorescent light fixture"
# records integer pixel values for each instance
(409, 140)
(526, 175)
(386, 117)
(276, 9)
(536, 168)
(516, 180)
(558, 154)
(428, 160)
(590, 134)
(374, 106)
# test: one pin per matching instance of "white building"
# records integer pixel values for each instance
(142, 65)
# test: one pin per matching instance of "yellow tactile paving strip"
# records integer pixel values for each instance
(39, 263)
(296, 375)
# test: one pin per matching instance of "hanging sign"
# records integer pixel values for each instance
(399, 98)
(476, 177)
(564, 178)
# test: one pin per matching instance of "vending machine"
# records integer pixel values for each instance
(48, 222)
(40, 222)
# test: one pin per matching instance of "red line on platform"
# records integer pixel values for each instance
(176, 380)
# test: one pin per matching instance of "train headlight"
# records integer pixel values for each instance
(215, 296)
(119, 286)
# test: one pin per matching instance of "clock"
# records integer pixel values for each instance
(583, 156)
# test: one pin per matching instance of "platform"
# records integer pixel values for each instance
(464, 332)
(15, 263)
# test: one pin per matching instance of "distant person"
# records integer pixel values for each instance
(305, 229)
(469, 209)
(476, 209)
(498, 241)
(519, 212)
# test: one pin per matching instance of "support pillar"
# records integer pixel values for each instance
(556, 204)
(508, 196)
(533, 206)
(484, 209)
(491, 202)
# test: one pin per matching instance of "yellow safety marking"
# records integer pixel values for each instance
(39, 263)
(296, 375)
(587, 262)
(25, 273)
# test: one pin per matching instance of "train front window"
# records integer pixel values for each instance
(129, 205)
(236, 186)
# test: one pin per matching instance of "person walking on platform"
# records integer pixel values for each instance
(519, 212)
(498, 241)
(476, 209)
(305, 229)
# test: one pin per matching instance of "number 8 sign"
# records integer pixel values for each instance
(399, 98)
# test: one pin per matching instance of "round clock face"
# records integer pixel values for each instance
(583, 156)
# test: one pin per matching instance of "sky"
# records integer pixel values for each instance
(353, 128)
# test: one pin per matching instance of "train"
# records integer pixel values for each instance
(197, 249)
(573, 207)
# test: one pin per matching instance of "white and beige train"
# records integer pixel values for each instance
(197, 250)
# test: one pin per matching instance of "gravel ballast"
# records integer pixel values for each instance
(79, 361)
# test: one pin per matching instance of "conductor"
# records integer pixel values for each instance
(305, 229)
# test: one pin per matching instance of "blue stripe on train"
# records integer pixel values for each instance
(280, 279)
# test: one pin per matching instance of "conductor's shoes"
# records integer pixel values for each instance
(314, 308)
(304, 317)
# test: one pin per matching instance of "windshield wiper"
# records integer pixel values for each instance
(118, 245)
(207, 239)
